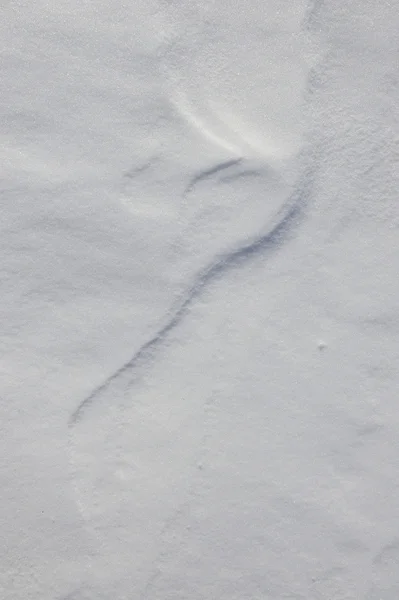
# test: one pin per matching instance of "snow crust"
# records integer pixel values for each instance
(199, 300)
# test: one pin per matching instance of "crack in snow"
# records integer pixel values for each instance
(282, 224)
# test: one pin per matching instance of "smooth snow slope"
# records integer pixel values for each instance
(199, 307)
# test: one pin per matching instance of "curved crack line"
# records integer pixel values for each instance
(222, 166)
(284, 220)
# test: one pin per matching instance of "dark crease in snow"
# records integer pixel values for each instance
(286, 219)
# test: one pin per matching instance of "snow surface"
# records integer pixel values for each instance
(199, 300)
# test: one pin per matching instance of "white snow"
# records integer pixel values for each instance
(199, 300)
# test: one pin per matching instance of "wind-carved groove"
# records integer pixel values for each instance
(278, 231)
(248, 173)
(212, 171)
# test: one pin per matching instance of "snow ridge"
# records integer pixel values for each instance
(280, 228)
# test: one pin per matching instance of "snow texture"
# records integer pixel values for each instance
(200, 300)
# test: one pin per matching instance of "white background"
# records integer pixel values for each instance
(199, 300)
